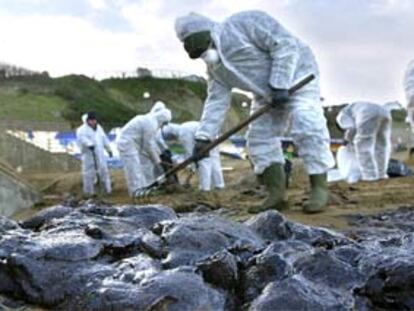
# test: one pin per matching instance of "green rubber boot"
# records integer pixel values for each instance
(259, 179)
(274, 180)
(411, 153)
(319, 194)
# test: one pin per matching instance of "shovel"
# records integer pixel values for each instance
(145, 192)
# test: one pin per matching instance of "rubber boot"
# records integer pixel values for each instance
(274, 180)
(260, 190)
(319, 194)
(259, 179)
(411, 153)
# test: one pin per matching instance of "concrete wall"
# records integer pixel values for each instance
(15, 194)
(32, 159)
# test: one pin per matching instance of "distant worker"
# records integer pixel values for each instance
(368, 129)
(153, 170)
(253, 52)
(138, 149)
(165, 157)
(409, 92)
(92, 141)
(210, 174)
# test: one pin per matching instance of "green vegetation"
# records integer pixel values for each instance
(184, 98)
(65, 99)
(29, 99)
(14, 106)
(83, 94)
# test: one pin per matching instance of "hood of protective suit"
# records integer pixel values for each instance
(163, 116)
(192, 23)
(158, 106)
(84, 118)
(358, 113)
(345, 119)
(170, 131)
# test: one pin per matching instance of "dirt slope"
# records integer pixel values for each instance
(360, 198)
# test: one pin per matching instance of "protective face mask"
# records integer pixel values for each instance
(211, 57)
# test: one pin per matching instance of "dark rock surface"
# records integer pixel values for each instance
(98, 257)
(46, 215)
(298, 293)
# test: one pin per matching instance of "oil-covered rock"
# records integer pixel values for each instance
(99, 257)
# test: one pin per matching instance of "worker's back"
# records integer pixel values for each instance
(186, 135)
(248, 43)
(362, 111)
(189, 127)
(133, 133)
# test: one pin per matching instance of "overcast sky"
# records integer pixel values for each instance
(363, 46)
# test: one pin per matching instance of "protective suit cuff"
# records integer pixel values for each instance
(202, 136)
(279, 83)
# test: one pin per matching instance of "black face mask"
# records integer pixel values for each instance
(197, 43)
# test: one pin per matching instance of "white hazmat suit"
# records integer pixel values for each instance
(209, 169)
(138, 149)
(409, 92)
(88, 137)
(257, 54)
(152, 170)
(368, 129)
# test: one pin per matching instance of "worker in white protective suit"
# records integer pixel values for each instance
(210, 174)
(409, 93)
(253, 52)
(152, 170)
(137, 141)
(92, 142)
(368, 131)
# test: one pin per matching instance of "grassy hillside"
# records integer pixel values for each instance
(184, 98)
(116, 100)
(83, 94)
(40, 98)
(30, 99)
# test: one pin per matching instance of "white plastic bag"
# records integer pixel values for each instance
(348, 164)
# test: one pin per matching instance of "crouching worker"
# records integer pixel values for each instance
(137, 144)
(368, 130)
(209, 170)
